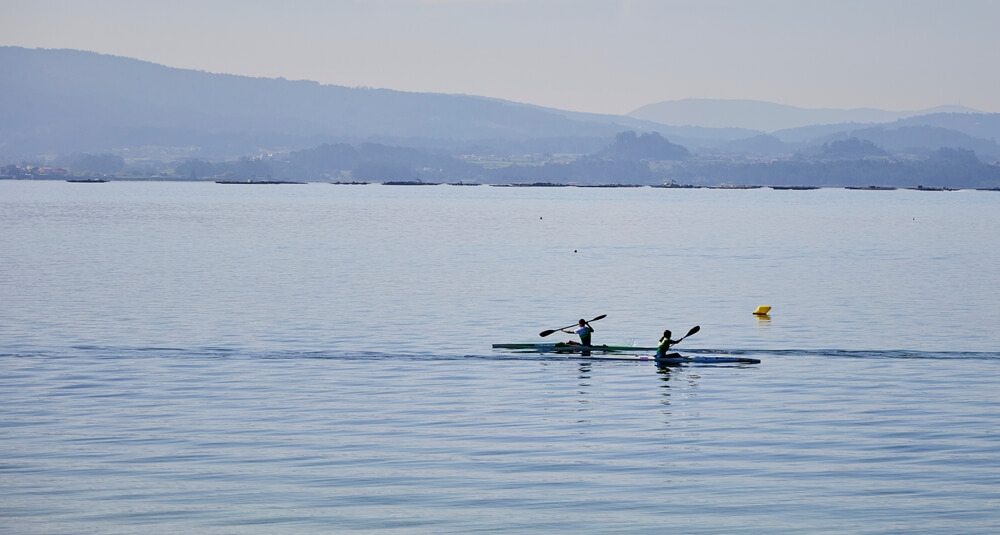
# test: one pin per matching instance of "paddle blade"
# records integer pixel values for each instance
(693, 330)
(546, 333)
(602, 316)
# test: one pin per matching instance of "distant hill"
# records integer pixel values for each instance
(919, 135)
(921, 140)
(649, 146)
(59, 101)
(765, 116)
(976, 125)
(88, 113)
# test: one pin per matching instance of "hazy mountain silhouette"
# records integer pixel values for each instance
(766, 116)
(67, 100)
(62, 102)
(919, 135)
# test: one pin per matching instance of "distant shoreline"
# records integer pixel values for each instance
(777, 187)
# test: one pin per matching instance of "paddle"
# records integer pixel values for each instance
(693, 330)
(550, 331)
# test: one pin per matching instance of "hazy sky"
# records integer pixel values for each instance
(603, 56)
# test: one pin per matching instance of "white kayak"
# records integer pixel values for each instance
(673, 358)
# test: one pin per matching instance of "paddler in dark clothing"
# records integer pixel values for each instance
(583, 330)
(664, 344)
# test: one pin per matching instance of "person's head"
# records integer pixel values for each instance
(583, 322)
(666, 334)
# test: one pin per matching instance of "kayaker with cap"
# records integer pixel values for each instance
(665, 344)
(583, 330)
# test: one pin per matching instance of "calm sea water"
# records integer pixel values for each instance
(205, 358)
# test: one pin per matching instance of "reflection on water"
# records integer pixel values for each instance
(664, 374)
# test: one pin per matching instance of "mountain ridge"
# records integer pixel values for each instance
(57, 97)
(58, 102)
(768, 117)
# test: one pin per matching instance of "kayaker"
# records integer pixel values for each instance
(665, 344)
(583, 330)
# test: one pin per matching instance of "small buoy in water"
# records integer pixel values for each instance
(762, 310)
(574, 250)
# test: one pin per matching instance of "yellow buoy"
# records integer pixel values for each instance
(762, 310)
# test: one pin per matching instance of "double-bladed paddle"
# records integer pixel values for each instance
(550, 331)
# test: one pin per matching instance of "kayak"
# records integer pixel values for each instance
(675, 358)
(563, 347)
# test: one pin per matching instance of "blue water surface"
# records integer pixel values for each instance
(187, 357)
